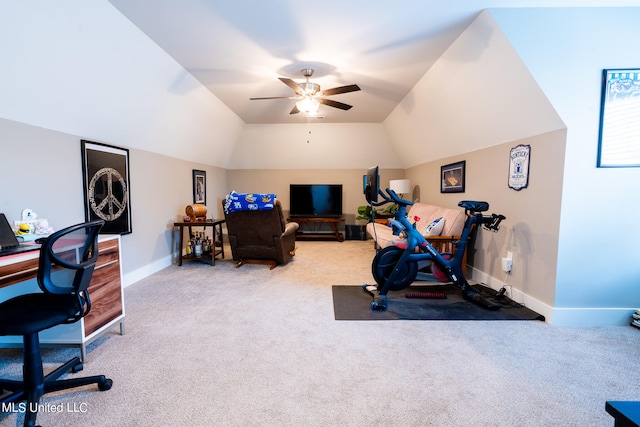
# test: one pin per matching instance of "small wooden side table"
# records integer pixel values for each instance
(217, 247)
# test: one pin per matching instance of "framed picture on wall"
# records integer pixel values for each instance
(107, 192)
(519, 166)
(619, 125)
(452, 177)
(199, 187)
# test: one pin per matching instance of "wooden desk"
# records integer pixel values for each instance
(314, 235)
(18, 276)
(216, 249)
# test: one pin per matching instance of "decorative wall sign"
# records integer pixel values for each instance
(519, 167)
(107, 196)
(452, 177)
(620, 119)
(199, 187)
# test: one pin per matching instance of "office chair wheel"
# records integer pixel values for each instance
(105, 384)
(384, 264)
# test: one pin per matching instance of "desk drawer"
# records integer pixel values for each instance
(25, 270)
(17, 272)
(105, 289)
(108, 251)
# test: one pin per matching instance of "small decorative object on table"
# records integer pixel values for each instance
(29, 227)
(196, 212)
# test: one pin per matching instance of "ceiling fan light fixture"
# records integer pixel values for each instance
(310, 88)
(310, 96)
(308, 105)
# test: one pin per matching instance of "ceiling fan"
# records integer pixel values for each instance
(310, 96)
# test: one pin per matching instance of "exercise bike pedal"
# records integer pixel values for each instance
(380, 304)
(370, 289)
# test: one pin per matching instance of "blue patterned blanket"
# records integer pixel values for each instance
(248, 201)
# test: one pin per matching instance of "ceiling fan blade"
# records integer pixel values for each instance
(335, 104)
(341, 89)
(295, 110)
(293, 85)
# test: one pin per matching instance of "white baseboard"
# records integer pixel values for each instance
(139, 274)
(559, 316)
(589, 317)
(515, 294)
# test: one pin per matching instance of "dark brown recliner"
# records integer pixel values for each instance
(261, 236)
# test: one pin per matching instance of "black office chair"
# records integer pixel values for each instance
(67, 260)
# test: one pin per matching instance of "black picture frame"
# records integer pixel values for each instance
(452, 177)
(199, 186)
(619, 132)
(106, 186)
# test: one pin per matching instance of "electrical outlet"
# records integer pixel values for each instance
(506, 265)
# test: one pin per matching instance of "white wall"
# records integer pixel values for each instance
(268, 158)
(277, 181)
(476, 103)
(478, 94)
(49, 181)
(598, 255)
(80, 67)
(314, 146)
(499, 83)
(77, 69)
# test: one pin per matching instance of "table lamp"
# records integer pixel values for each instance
(400, 186)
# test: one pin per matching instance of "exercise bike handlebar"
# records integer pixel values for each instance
(472, 208)
(391, 197)
(493, 223)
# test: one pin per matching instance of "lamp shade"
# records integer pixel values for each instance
(400, 186)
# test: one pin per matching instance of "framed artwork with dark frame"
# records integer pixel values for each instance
(107, 192)
(199, 187)
(619, 125)
(452, 177)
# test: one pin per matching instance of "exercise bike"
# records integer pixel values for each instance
(396, 267)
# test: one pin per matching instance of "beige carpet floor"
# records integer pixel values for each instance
(220, 346)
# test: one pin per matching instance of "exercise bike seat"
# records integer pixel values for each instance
(474, 206)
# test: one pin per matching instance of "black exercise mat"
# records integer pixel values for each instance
(352, 303)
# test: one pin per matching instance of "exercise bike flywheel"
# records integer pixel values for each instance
(383, 266)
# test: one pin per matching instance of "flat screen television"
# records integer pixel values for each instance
(315, 200)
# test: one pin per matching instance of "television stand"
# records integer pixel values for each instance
(316, 235)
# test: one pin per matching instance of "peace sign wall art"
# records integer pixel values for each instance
(107, 195)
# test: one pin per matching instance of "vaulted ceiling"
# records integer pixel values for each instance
(239, 49)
